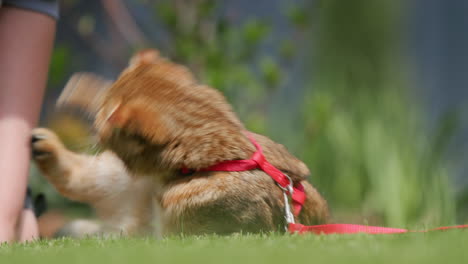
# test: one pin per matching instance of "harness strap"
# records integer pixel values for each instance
(258, 161)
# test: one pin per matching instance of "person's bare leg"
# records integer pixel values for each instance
(27, 228)
(26, 41)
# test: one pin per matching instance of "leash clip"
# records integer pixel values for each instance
(288, 215)
(289, 188)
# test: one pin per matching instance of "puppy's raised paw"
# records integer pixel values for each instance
(44, 144)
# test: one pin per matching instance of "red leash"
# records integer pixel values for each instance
(297, 194)
(353, 229)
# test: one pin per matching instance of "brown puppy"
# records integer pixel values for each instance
(157, 119)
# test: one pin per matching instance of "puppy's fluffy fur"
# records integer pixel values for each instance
(156, 119)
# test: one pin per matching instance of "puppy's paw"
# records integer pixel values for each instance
(44, 144)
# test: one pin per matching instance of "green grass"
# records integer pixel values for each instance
(435, 247)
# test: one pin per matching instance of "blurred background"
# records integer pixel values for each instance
(372, 95)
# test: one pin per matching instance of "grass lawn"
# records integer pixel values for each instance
(436, 247)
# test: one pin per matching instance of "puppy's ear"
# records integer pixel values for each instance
(146, 56)
(155, 126)
(162, 68)
(134, 117)
(84, 91)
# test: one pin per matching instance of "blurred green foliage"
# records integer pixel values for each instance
(365, 135)
(61, 56)
(361, 132)
(225, 55)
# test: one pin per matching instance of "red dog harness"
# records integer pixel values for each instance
(295, 190)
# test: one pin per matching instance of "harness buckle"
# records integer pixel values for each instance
(289, 188)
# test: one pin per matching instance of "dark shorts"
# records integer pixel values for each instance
(47, 7)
